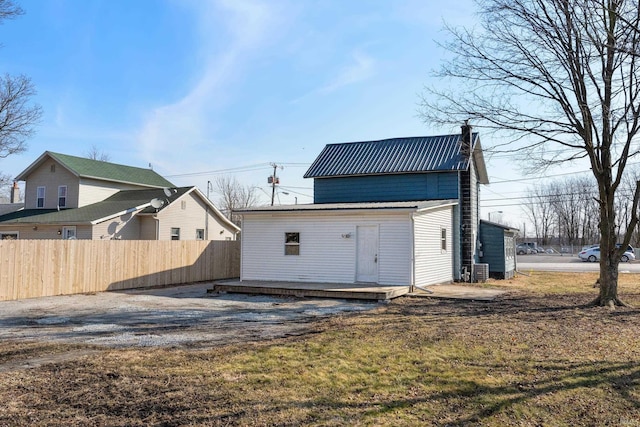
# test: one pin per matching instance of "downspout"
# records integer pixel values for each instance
(157, 226)
(206, 224)
(413, 252)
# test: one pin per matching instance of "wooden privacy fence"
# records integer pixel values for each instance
(35, 268)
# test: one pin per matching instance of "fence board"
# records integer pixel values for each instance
(35, 268)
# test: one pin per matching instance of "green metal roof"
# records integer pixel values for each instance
(96, 169)
(122, 201)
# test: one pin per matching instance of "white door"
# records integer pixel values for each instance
(367, 253)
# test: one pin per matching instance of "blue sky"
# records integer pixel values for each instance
(196, 86)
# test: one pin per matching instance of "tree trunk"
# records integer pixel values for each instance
(608, 283)
(609, 256)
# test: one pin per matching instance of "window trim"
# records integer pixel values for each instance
(66, 230)
(60, 197)
(174, 232)
(38, 198)
(292, 247)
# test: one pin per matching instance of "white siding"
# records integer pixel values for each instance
(432, 264)
(325, 255)
(93, 191)
(189, 216)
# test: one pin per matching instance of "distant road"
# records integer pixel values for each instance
(566, 263)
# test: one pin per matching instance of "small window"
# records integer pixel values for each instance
(175, 234)
(53, 168)
(62, 196)
(443, 239)
(200, 234)
(40, 197)
(10, 235)
(292, 243)
(183, 205)
(69, 233)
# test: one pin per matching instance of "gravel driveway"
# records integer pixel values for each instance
(176, 316)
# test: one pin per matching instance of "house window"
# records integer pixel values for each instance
(292, 243)
(9, 235)
(53, 168)
(69, 233)
(443, 239)
(40, 197)
(175, 234)
(62, 196)
(183, 205)
(200, 234)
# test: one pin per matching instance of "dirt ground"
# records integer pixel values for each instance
(168, 317)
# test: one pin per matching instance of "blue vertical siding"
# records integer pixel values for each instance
(386, 188)
(493, 240)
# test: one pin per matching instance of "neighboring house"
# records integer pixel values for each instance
(14, 201)
(69, 197)
(414, 194)
(498, 249)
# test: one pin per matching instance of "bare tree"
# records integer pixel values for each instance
(540, 212)
(96, 154)
(18, 116)
(560, 79)
(234, 195)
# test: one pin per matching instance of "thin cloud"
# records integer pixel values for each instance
(187, 123)
(359, 70)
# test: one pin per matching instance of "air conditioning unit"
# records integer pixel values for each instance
(481, 272)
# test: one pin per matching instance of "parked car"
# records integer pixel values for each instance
(593, 255)
(523, 250)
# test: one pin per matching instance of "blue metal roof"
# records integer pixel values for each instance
(396, 155)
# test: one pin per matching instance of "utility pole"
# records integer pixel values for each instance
(273, 180)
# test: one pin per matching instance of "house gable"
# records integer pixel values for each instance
(85, 181)
(194, 215)
(99, 170)
(398, 169)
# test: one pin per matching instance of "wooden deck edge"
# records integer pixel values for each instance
(316, 293)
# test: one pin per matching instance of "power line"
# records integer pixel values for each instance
(247, 168)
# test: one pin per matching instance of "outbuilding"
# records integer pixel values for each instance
(387, 243)
(498, 249)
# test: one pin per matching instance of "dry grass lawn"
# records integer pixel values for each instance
(538, 357)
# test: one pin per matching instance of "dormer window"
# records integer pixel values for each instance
(40, 197)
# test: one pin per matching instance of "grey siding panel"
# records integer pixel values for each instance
(325, 255)
(432, 264)
(50, 178)
(125, 227)
(386, 188)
